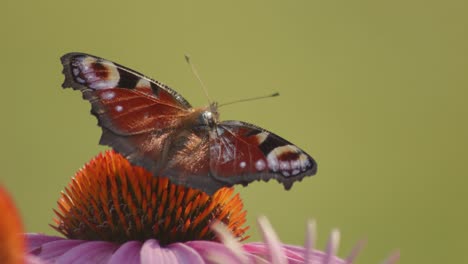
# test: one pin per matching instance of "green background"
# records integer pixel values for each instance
(376, 91)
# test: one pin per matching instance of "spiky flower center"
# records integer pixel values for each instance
(111, 200)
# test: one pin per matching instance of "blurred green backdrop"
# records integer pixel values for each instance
(376, 91)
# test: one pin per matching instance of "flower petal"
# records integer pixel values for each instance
(53, 250)
(257, 259)
(35, 240)
(229, 240)
(214, 252)
(293, 254)
(186, 254)
(276, 252)
(394, 257)
(352, 256)
(311, 234)
(332, 246)
(152, 252)
(89, 252)
(31, 259)
(127, 253)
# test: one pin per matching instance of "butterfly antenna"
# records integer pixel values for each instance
(250, 99)
(194, 71)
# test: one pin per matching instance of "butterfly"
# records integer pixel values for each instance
(154, 127)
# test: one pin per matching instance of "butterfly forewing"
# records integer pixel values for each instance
(125, 101)
(138, 116)
(241, 153)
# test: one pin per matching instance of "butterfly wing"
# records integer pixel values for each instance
(242, 153)
(138, 115)
(124, 101)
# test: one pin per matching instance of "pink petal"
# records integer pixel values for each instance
(276, 253)
(293, 254)
(257, 259)
(127, 253)
(186, 254)
(35, 240)
(214, 252)
(311, 232)
(151, 252)
(89, 252)
(394, 257)
(53, 250)
(228, 239)
(358, 248)
(332, 247)
(30, 259)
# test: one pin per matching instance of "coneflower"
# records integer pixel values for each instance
(12, 242)
(114, 212)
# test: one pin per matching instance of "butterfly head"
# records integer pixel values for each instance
(210, 115)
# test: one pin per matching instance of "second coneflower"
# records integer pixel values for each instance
(111, 204)
(11, 242)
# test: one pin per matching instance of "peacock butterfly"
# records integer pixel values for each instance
(155, 127)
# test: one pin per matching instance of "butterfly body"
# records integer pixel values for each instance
(155, 127)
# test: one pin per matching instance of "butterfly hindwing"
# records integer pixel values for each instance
(242, 153)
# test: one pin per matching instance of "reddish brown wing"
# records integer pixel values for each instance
(138, 116)
(124, 101)
(242, 153)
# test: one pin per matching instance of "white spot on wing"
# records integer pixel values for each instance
(242, 164)
(119, 108)
(272, 161)
(108, 95)
(284, 165)
(80, 80)
(143, 83)
(295, 164)
(261, 137)
(260, 165)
